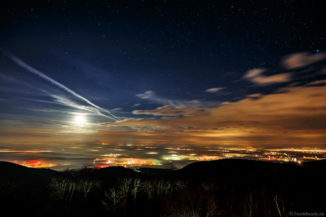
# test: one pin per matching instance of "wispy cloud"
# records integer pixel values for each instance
(168, 110)
(302, 59)
(151, 96)
(256, 76)
(92, 107)
(214, 89)
(319, 82)
(60, 111)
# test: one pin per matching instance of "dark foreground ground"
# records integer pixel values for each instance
(216, 188)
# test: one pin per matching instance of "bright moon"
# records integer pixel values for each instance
(80, 120)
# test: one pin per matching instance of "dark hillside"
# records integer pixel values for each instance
(217, 188)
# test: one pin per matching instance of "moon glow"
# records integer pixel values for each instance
(80, 120)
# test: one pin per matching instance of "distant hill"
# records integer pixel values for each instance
(11, 171)
(256, 172)
(224, 167)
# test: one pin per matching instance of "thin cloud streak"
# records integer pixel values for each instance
(214, 89)
(101, 111)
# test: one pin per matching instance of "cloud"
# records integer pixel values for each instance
(62, 100)
(253, 73)
(151, 96)
(294, 115)
(214, 89)
(273, 79)
(256, 76)
(146, 95)
(23, 151)
(255, 95)
(167, 110)
(99, 110)
(319, 82)
(302, 59)
(58, 111)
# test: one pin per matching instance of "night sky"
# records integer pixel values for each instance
(159, 83)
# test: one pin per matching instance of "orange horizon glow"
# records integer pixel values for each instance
(35, 163)
(185, 156)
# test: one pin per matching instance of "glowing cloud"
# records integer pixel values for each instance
(295, 115)
(302, 59)
(256, 76)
